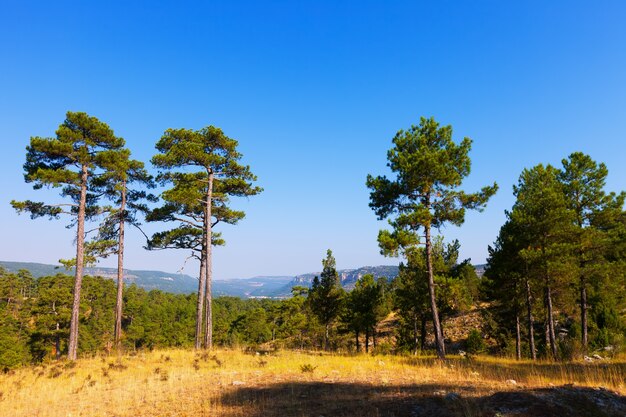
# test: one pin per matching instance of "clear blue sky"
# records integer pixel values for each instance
(314, 92)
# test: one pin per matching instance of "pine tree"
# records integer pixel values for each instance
(365, 308)
(583, 183)
(326, 296)
(411, 301)
(429, 169)
(198, 201)
(67, 161)
(543, 216)
(119, 183)
(507, 285)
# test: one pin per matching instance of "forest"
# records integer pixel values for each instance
(554, 286)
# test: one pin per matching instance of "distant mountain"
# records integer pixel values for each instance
(149, 280)
(175, 283)
(257, 287)
(348, 277)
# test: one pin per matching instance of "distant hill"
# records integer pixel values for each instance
(348, 277)
(149, 280)
(257, 287)
(165, 281)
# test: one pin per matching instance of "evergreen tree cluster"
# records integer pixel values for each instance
(555, 274)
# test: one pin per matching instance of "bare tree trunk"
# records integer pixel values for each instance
(78, 277)
(415, 337)
(374, 336)
(551, 332)
(358, 347)
(57, 345)
(583, 313)
(326, 331)
(208, 329)
(208, 316)
(57, 342)
(531, 321)
(200, 301)
(546, 332)
(439, 342)
(367, 340)
(518, 338)
(120, 272)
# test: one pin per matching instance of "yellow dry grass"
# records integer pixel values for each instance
(233, 383)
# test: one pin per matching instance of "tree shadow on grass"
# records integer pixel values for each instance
(610, 372)
(352, 399)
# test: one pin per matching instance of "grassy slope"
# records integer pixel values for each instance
(231, 383)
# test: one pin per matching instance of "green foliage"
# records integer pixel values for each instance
(366, 305)
(457, 285)
(307, 368)
(562, 243)
(58, 163)
(326, 296)
(429, 167)
(475, 342)
(205, 151)
(16, 291)
(250, 328)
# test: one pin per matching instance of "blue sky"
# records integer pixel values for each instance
(314, 92)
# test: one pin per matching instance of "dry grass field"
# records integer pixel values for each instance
(233, 383)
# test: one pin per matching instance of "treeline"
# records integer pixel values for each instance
(35, 314)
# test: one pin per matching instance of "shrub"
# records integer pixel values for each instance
(475, 342)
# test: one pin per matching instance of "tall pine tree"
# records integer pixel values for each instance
(204, 170)
(326, 296)
(68, 161)
(429, 169)
(544, 217)
(123, 182)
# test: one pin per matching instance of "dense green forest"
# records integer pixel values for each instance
(554, 286)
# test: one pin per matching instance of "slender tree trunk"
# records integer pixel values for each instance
(120, 271)
(57, 341)
(518, 338)
(200, 301)
(583, 313)
(374, 336)
(208, 329)
(326, 331)
(546, 333)
(57, 345)
(78, 277)
(367, 340)
(551, 332)
(208, 315)
(423, 334)
(439, 342)
(415, 337)
(356, 334)
(531, 321)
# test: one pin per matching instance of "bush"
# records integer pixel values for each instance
(475, 342)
